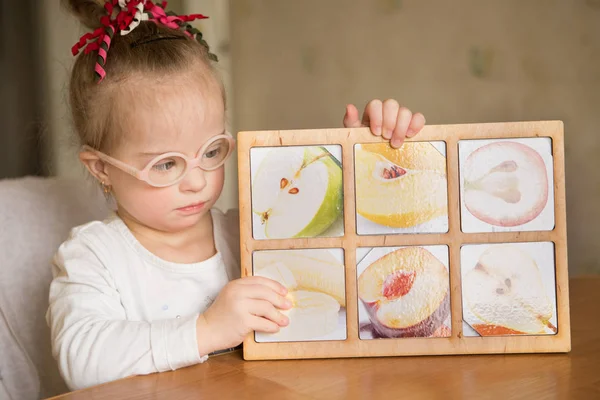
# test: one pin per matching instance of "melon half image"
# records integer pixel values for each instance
(400, 190)
(296, 192)
(404, 292)
(505, 184)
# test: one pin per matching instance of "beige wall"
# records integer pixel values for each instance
(297, 63)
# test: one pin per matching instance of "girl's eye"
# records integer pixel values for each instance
(212, 153)
(164, 166)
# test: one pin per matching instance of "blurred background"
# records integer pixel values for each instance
(296, 64)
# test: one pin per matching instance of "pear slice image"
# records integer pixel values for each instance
(505, 289)
(395, 196)
(297, 191)
(312, 269)
(312, 315)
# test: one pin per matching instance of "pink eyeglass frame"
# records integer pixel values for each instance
(190, 162)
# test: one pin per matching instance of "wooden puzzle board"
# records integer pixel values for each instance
(472, 279)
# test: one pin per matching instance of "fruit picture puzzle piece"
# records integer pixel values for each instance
(506, 185)
(316, 287)
(401, 190)
(509, 289)
(404, 292)
(297, 192)
(346, 193)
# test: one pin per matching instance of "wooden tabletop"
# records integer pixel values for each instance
(575, 375)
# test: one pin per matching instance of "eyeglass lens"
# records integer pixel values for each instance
(169, 169)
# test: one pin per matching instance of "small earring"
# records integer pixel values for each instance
(105, 188)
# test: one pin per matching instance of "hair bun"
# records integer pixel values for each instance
(89, 12)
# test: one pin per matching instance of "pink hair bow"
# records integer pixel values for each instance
(131, 14)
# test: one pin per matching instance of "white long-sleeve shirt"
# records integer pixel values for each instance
(118, 310)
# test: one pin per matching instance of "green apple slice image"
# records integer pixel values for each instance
(297, 191)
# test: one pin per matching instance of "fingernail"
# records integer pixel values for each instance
(396, 143)
(387, 134)
(377, 130)
(410, 132)
(288, 303)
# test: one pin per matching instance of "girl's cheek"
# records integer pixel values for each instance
(218, 180)
(149, 202)
(160, 200)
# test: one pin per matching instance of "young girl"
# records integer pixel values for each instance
(157, 286)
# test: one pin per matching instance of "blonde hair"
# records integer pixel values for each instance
(150, 51)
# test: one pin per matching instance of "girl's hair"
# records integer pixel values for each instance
(147, 54)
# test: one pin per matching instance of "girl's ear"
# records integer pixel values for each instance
(96, 166)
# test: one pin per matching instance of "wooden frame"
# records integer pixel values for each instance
(353, 346)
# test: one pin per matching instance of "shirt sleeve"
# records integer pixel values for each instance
(92, 340)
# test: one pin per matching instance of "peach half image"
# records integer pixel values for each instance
(297, 192)
(403, 292)
(315, 279)
(508, 289)
(401, 190)
(506, 185)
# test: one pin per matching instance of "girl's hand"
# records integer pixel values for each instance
(387, 119)
(243, 305)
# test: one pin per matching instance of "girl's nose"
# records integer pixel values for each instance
(194, 181)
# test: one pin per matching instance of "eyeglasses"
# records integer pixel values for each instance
(170, 168)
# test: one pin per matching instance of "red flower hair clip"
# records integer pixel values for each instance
(131, 14)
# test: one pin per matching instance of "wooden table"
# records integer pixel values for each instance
(575, 375)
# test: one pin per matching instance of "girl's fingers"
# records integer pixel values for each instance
(373, 116)
(263, 293)
(264, 309)
(261, 280)
(417, 123)
(351, 117)
(390, 115)
(403, 119)
(259, 324)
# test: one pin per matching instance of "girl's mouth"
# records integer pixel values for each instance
(192, 208)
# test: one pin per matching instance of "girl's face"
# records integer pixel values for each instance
(178, 116)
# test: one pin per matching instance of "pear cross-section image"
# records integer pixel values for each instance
(506, 185)
(297, 192)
